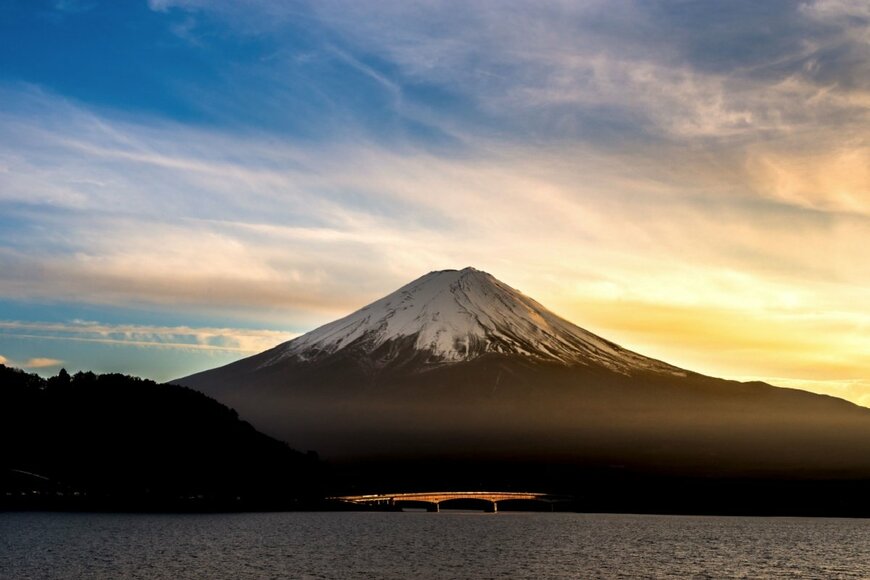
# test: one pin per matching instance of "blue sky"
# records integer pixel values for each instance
(183, 183)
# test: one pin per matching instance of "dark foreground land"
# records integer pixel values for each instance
(117, 443)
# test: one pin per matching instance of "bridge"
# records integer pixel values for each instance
(432, 500)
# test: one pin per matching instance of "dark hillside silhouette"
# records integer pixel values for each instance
(121, 442)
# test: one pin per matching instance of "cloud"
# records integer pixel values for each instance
(619, 71)
(244, 341)
(850, 16)
(41, 363)
(836, 179)
(644, 68)
(3, 360)
(165, 5)
(170, 215)
(778, 88)
(74, 6)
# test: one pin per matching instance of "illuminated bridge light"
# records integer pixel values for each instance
(435, 498)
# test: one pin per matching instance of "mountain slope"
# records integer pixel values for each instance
(459, 365)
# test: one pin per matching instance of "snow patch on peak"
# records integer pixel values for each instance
(457, 315)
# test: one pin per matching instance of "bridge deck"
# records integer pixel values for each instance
(439, 496)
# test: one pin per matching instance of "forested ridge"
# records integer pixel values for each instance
(118, 441)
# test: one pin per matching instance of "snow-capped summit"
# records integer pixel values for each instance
(459, 315)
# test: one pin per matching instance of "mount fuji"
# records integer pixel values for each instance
(455, 316)
(459, 365)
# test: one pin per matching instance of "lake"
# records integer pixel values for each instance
(428, 545)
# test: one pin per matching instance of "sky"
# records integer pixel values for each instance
(187, 182)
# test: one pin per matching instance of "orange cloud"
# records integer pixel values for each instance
(837, 180)
(41, 363)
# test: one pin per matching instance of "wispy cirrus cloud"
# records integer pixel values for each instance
(284, 226)
(646, 67)
(788, 108)
(74, 6)
(244, 341)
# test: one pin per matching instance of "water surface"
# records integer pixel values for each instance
(428, 545)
